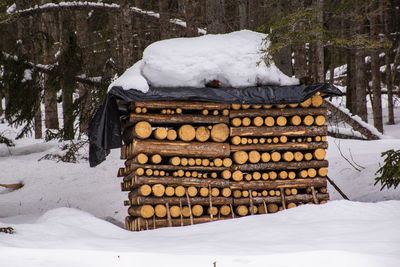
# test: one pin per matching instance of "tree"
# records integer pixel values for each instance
(389, 173)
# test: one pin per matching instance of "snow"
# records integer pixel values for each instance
(71, 215)
(11, 9)
(27, 75)
(340, 233)
(235, 59)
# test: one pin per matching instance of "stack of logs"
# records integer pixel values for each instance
(194, 162)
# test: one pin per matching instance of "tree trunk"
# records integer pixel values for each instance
(126, 35)
(350, 82)
(242, 8)
(319, 49)
(254, 7)
(361, 92)
(375, 75)
(190, 10)
(165, 31)
(215, 13)
(389, 83)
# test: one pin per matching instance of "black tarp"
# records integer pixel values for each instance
(105, 127)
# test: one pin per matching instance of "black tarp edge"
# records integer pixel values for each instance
(105, 127)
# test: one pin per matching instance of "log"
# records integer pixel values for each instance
(278, 112)
(143, 190)
(160, 133)
(288, 156)
(281, 121)
(175, 211)
(171, 135)
(236, 140)
(308, 120)
(158, 190)
(254, 156)
(322, 172)
(142, 158)
(319, 120)
(138, 200)
(202, 134)
(319, 154)
(160, 211)
(220, 132)
(190, 105)
(237, 175)
(300, 198)
(227, 162)
(316, 101)
(225, 210)
(265, 157)
(178, 119)
(282, 165)
(306, 103)
(180, 191)
(276, 156)
(298, 156)
(269, 121)
(187, 132)
(295, 120)
(258, 121)
(142, 130)
(192, 191)
(160, 223)
(246, 121)
(145, 211)
(167, 148)
(240, 157)
(279, 131)
(242, 210)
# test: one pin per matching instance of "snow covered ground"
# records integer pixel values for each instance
(71, 215)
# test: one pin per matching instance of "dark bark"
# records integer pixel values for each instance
(375, 76)
(215, 13)
(190, 10)
(361, 92)
(242, 9)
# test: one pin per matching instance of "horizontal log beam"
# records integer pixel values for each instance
(279, 131)
(139, 200)
(286, 146)
(177, 119)
(277, 112)
(184, 149)
(282, 165)
(220, 183)
(138, 224)
(134, 166)
(300, 198)
(191, 105)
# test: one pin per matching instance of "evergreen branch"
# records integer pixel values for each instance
(95, 81)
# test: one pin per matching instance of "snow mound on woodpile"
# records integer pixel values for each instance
(235, 59)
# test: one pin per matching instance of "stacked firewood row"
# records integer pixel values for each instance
(194, 162)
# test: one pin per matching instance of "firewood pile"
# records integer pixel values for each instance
(194, 162)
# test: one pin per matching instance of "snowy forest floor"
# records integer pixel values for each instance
(72, 215)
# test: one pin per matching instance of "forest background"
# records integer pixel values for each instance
(65, 54)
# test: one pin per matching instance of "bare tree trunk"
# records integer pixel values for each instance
(283, 59)
(332, 65)
(350, 81)
(215, 13)
(242, 7)
(389, 83)
(165, 32)
(50, 93)
(361, 92)
(140, 28)
(126, 35)
(375, 75)
(254, 7)
(319, 49)
(190, 10)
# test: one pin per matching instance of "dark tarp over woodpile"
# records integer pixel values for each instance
(105, 127)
